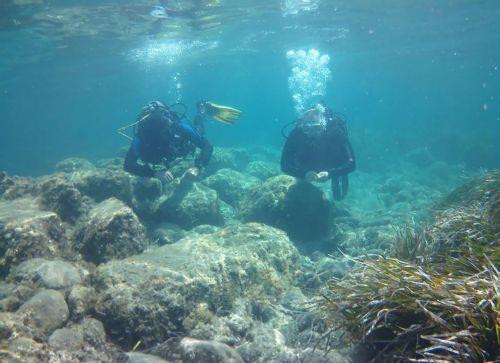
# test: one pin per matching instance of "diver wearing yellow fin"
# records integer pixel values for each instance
(223, 114)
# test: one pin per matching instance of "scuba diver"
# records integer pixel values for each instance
(318, 149)
(161, 135)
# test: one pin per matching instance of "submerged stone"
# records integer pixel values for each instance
(262, 169)
(189, 205)
(113, 231)
(71, 165)
(194, 350)
(66, 339)
(136, 357)
(27, 232)
(297, 207)
(101, 184)
(228, 158)
(44, 313)
(162, 287)
(62, 197)
(231, 185)
(55, 274)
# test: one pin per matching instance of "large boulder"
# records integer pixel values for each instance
(194, 350)
(189, 205)
(231, 185)
(101, 184)
(66, 339)
(146, 193)
(299, 208)
(27, 232)
(44, 313)
(80, 300)
(12, 187)
(150, 296)
(61, 196)
(112, 231)
(262, 169)
(227, 158)
(56, 274)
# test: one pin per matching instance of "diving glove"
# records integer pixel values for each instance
(223, 114)
(164, 176)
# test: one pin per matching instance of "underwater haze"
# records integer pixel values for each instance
(343, 206)
(415, 74)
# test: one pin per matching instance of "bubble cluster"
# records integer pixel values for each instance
(174, 88)
(310, 74)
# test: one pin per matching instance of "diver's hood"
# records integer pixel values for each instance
(313, 122)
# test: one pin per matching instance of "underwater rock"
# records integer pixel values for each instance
(111, 163)
(147, 188)
(24, 350)
(231, 185)
(80, 300)
(56, 275)
(297, 207)
(44, 313)
(193, 350)
(16, 187)
(148, 296)
(71, 165)
(263, 345)
(101, 184)
(167, 233)
(145, 193)
(93, 332)
(66, 339)
(16, 297)
(112, 231)
(262, 169)
(136, 357)
(227, 158)
(189, 205)
(27, 232)
(62, 197)
(10, 325)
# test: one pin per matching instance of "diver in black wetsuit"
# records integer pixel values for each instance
(161, 136)
(318, 149)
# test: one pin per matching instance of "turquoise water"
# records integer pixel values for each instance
(407, 75)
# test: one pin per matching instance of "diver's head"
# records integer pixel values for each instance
(153, 105)
(313, 122)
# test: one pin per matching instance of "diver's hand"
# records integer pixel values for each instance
(191, 174)
(322, 176)
(311, 176)
(164, 176)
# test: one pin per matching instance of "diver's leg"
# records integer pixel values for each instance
(344, 180)
(336, 188)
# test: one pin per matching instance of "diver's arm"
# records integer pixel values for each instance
(132, 166)
(199, 123)
(194, 136)
(205, 154)
(349, 164)
(288, 156)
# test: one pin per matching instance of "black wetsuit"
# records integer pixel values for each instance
(160, 141)
(329, 151)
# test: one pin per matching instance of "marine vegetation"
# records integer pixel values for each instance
(436, 298)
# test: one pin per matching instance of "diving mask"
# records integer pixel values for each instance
(313, 123)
